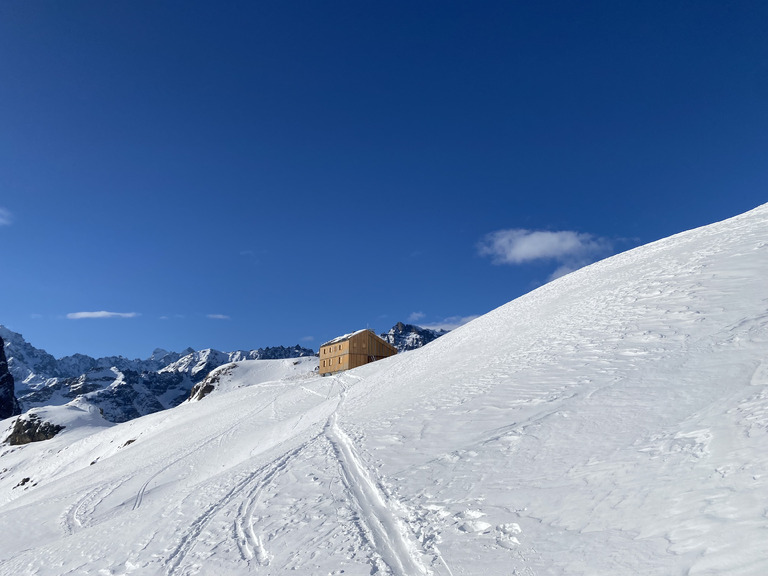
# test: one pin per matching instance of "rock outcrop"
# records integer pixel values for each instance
(31, 428)
(9, 406)
(208, 384)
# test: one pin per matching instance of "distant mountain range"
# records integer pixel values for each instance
(123, 389)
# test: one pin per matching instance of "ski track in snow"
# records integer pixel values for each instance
(80, 514)
(249, 543)
(219, 438)
(385, 531)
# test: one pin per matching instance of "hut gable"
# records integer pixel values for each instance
(353, 350)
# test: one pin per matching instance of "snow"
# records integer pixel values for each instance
(344, 337)
(614, 421)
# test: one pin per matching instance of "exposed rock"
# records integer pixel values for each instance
(208, 384)
(278, 353)
(9, 406)
(31, 429)
(24, 481)
(409, 337)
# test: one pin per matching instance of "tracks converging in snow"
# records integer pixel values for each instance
(226, 432)
(385, 531)
(79, 515)
(249, 543)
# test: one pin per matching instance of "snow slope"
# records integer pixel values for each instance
(614, 421)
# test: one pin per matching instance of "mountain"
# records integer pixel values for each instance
(406, 337)
(29, 366)
(9, 406)
(34, 368)
(613, 421)
(121, 389)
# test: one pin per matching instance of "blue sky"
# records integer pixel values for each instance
(245, 174)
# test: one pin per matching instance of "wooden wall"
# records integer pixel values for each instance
(360, 348)
(334, 357)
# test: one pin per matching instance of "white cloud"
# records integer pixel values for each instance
(5, 217)
(218, 316)
(571, 250)
(450, 323)
(307, 338)
(566, 269)
(100, 314)
(416, 316)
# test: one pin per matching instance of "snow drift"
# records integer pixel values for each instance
(614, 421)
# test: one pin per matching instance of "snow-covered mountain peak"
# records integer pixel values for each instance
(158, 354)
(197, 362)
(406, 337)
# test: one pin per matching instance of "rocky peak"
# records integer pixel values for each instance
(9, 406)
(409, 336)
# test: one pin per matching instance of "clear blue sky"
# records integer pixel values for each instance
(245, 174)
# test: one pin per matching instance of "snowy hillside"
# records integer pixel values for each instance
(614, 421)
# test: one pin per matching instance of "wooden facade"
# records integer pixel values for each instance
(353, 350)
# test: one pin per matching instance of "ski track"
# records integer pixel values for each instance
(383, 528)
(250, 542)
(215, 438)
(79, 515)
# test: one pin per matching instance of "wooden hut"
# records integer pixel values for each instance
(353, 350)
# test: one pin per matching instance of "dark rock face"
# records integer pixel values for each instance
(32, 429)
(406, 337)
(282, 352)
(208, 384)
(9, 406)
